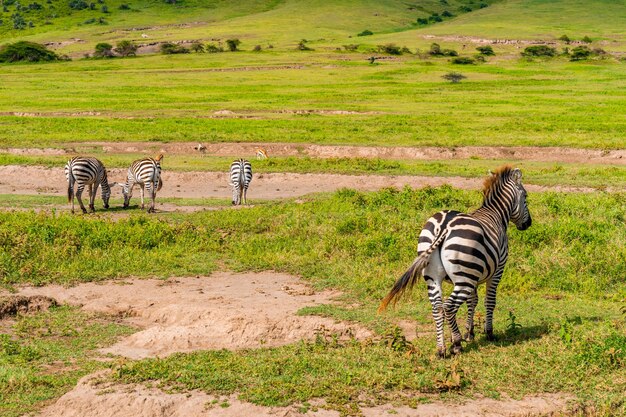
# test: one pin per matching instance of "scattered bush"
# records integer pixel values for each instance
(233, 44)
(565, 39)
(462, 60)
(212, 48)
(486, 50)
(454, 77)
(197, 47)
(390, 48)
(539, 50)
(580, 53)
(587, 39)
(422, 21)
(35, 6)
(435, 50)
(124, 6)
(18, 21)
(465, 9)
(126, 48)
(302, 46)
(257, 48)
(78, 4)
(351, 47)
(446, 14)
(479, 58)
(26, 51)
(169, 48)
(435, 18)
(105, 9)
(365, 33)
(103, 50)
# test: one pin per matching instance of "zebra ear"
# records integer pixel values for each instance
(516, 174)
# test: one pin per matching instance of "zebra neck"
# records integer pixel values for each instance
(495, 212)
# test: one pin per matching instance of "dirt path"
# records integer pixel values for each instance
(516, 153)
(92, 398)
(31, 180)
(223, 311)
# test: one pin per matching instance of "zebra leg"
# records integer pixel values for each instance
(142, 190)
(152, 193)
(450, 307)
(490, 305)
(245, 196)
(434, 295)
(79, 194)
(472, 301)
(92, 197)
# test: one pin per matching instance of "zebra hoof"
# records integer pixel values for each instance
(456, 348)
(441, 353)
(469, 336)
(489, 336)
(84, 211)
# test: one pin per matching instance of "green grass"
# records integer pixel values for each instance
(42, 356)
(402, 102)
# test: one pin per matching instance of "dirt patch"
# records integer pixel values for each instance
(91, 397)
(514, 153)
(51, 181)
(19, 304)
(223, 311)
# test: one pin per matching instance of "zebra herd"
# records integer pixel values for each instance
(84, 171)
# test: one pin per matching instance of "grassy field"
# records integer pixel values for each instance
(360, 242)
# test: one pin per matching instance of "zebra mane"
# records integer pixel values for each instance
(497, 177)
(158, 157)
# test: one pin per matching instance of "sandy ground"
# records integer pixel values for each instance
(516, 153)
(91, 398)
(16, 179)
(223, 311)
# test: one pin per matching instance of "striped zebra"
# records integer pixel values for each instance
(86, 171)
(146, 173)
(467, 249)
(240, 177)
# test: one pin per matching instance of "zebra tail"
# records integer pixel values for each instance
(70, 186)
(409, 278)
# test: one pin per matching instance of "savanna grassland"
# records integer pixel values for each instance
(560, 322)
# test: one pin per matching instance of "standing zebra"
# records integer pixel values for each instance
(147, 173)
(467, 249)
(240, 177)
(84, 171)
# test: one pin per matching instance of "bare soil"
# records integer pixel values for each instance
(92, 397)
(223, 311)
(515, 153)
(19, 304)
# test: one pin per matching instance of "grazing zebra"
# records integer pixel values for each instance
(240, 177)
(89, 171)
(261, 153)
(467, 249)
(147, 173)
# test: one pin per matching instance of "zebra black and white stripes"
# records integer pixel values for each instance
(467, 249)
(145, 172)
(86, 171)
(240, 177)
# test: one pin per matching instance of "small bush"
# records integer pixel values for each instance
(587, 39)
(197, 47)
(486, 50)
(446, 14)
(390, 48)
(169, 48)
(257, 48)
(479, 58)
(422, 21)
(351, 47)
(104, 9)
(435, 18)
(302, 46)
(18, 21)
(449, 52)
(124, 6)
(26, 51)
(539, 50)
(580, 53)
(462, 60)
(78, 4)
(465, 9)
(454, 77)
(435, 49)
(565, 39)
(212, 48)
(366, 32)
(233, 44)
(126, 48)
(103, 50)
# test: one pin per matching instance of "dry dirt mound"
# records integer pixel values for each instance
(14, 304)
(92, 398)
(225, 310)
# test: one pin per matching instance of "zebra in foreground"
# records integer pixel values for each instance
(146, 173)
(240, 177)
(86, 171)
(467, 249)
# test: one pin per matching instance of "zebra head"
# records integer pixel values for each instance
(520, 215)
(125, 192)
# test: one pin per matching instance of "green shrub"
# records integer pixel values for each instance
(486, 50)
(454, 77)
(587, 39)
(366, 32)
(18, 21)
(26, 51)
(462, 60)
(565, 39)
(103, 50)
(580, 53)
(390, 48)
(78, 4)
(351, 47)
(422, 21)
(212, 48)
(124, 6)
(539, 50)
(233, 44)
(126, 48)
(169, 48)
(302, 46)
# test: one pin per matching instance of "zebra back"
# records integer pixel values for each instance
(146, 170)
(241, 173)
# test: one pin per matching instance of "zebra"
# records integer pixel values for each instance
(467, 249)
(83, 170)
(147, 173)
(240, 177)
